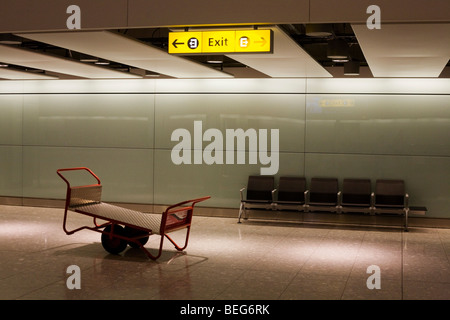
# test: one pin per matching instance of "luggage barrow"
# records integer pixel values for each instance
(124, 226)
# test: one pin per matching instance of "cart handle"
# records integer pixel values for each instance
(73, 169)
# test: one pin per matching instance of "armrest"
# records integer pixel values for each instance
(339, 198)
(406, 203)
(242, 193)
(306, 196)
(273, 194)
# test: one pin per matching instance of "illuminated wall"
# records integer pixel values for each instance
(369, 128)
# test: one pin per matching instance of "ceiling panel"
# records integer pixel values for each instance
(119, 48)
(7, 73)
(287, 60)
(405, 50)
(36, 60)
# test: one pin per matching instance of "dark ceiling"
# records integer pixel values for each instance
(315, 46)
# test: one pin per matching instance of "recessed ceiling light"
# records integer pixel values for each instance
(9, 39)
(214, 59)
(340, 60)
(87, 58)
(102, 62)
(318, 30)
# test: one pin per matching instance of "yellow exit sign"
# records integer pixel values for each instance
(229, 41)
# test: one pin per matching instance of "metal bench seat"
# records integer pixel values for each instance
(356, 196)
(323, 195)
(291, 193)
(260, 195)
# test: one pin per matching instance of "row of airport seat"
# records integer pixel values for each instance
(324, 194)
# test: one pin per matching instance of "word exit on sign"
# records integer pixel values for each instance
(250, 41)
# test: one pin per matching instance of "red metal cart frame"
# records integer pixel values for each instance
(124, 226)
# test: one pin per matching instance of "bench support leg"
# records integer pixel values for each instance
(406, 219)
(241, 211)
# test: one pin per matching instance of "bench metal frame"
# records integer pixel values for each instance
(372, 207)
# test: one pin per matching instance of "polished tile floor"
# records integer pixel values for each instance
(255, 260)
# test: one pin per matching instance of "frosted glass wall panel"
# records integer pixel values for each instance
(89, 120)
(11, 119)
(126, 174)
(426, 178)
(10, 87)
(379, 86)
(378, 124)
(11, 171)
(88, 86)
(285, 112)
(217, 86)
(222, 182)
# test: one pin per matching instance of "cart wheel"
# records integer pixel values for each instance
(133, 232)
(113, 245)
